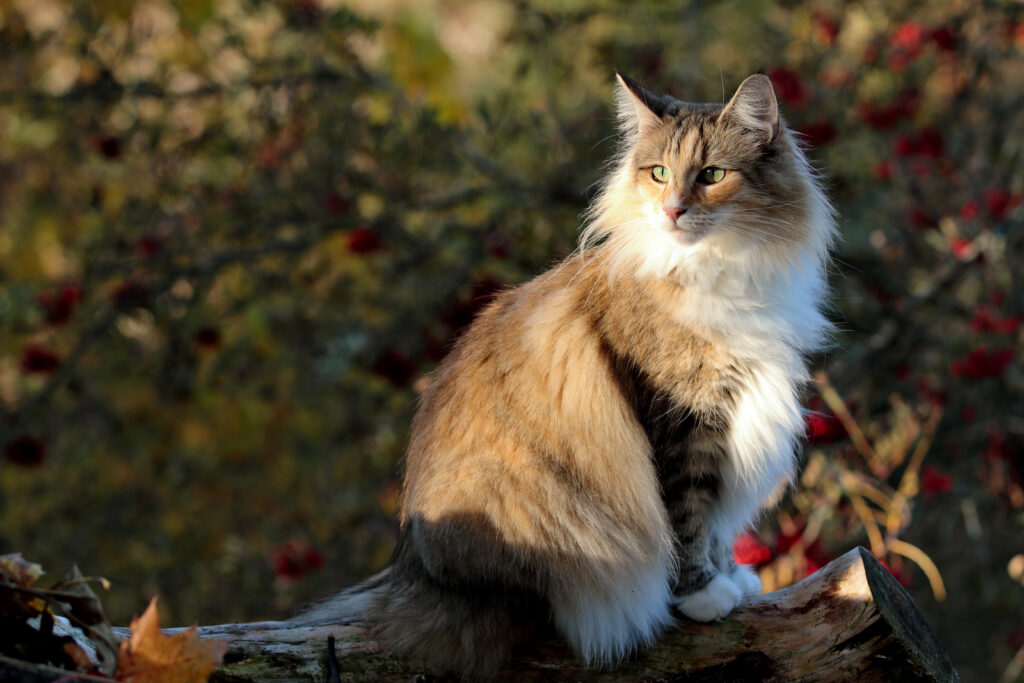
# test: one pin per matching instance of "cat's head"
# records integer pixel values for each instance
(695, 181)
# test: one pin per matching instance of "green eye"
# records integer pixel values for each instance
(711, 175)
(660, 174)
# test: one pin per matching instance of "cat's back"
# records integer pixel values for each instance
(526, 409)
(522, 333)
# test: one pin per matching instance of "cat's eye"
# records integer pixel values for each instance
(660, 174)
(711, 175)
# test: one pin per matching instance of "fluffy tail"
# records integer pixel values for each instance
(469, 630)
(352, 604)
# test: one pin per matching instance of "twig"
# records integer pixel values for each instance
(838, 406)
(918, 556)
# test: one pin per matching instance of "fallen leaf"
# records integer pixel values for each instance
(75, 600)
(149, 656)
(18, 570)
(79, 656)
(16, 576)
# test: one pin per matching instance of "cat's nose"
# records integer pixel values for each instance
(674, 211)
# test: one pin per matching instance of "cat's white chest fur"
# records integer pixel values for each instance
(767, 330)
(766, 425)
(767, 325)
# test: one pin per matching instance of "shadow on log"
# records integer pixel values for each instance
(849, 621)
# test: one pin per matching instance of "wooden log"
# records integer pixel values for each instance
(849, 621)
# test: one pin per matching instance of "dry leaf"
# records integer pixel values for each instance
(19, 571)
(63, 625)
(79, 656)
(73, 599)
(16, 576)
(149, 656)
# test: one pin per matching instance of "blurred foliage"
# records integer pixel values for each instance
(233, 234)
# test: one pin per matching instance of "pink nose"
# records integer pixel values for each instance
(674, 212)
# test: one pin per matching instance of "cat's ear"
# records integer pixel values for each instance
(639, 109)
(754, 106)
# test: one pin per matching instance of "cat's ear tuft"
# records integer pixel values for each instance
(639, 109)
(754, 106)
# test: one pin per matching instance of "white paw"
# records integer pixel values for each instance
(714, 601)
(746, 580)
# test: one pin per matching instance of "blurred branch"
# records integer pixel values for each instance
(868, 521)
(1014, 668)
(897, 340)
(912, 552)
(909, 482)
(12, 420)
(838, 407)
(106, 88)
(452, 198)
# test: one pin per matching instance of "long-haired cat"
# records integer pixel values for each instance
(588, 451)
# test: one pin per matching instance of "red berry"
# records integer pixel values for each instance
(819, 134)
(748, 549)
(130, 294)
(945, 38)
(39, 361)
(148, 247)
(26, 451)
(108, 146)
(789, 86)
(823, 428)
(1000, 202)
(208, 337)
(396, 367)
(908, 38)
(969, 210)
(334, 203)
(58, 307)
(364, 240)
(933, 481)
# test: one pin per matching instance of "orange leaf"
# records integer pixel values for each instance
(149, 656)
(77, 655)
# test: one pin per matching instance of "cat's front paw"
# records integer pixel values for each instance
(714, 601)
(746, 580)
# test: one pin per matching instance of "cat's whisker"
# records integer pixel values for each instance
(760, 213)
(620, 236)
(755, 219)
(767, 226)
(759, 236)
(625, 243)
(764, 235)
(761, 223)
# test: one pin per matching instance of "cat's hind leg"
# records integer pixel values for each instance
(608, 615)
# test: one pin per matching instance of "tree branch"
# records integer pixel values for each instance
(849, 621)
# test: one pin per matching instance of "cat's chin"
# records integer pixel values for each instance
(686, 236)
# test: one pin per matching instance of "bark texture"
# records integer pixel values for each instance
(849, 621)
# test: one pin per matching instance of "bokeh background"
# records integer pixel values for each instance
(235, 235)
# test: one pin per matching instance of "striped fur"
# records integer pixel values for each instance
(585, 456)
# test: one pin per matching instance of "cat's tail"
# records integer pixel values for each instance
(467, 630)
(357, 603)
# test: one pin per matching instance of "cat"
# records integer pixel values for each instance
(585, 456)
